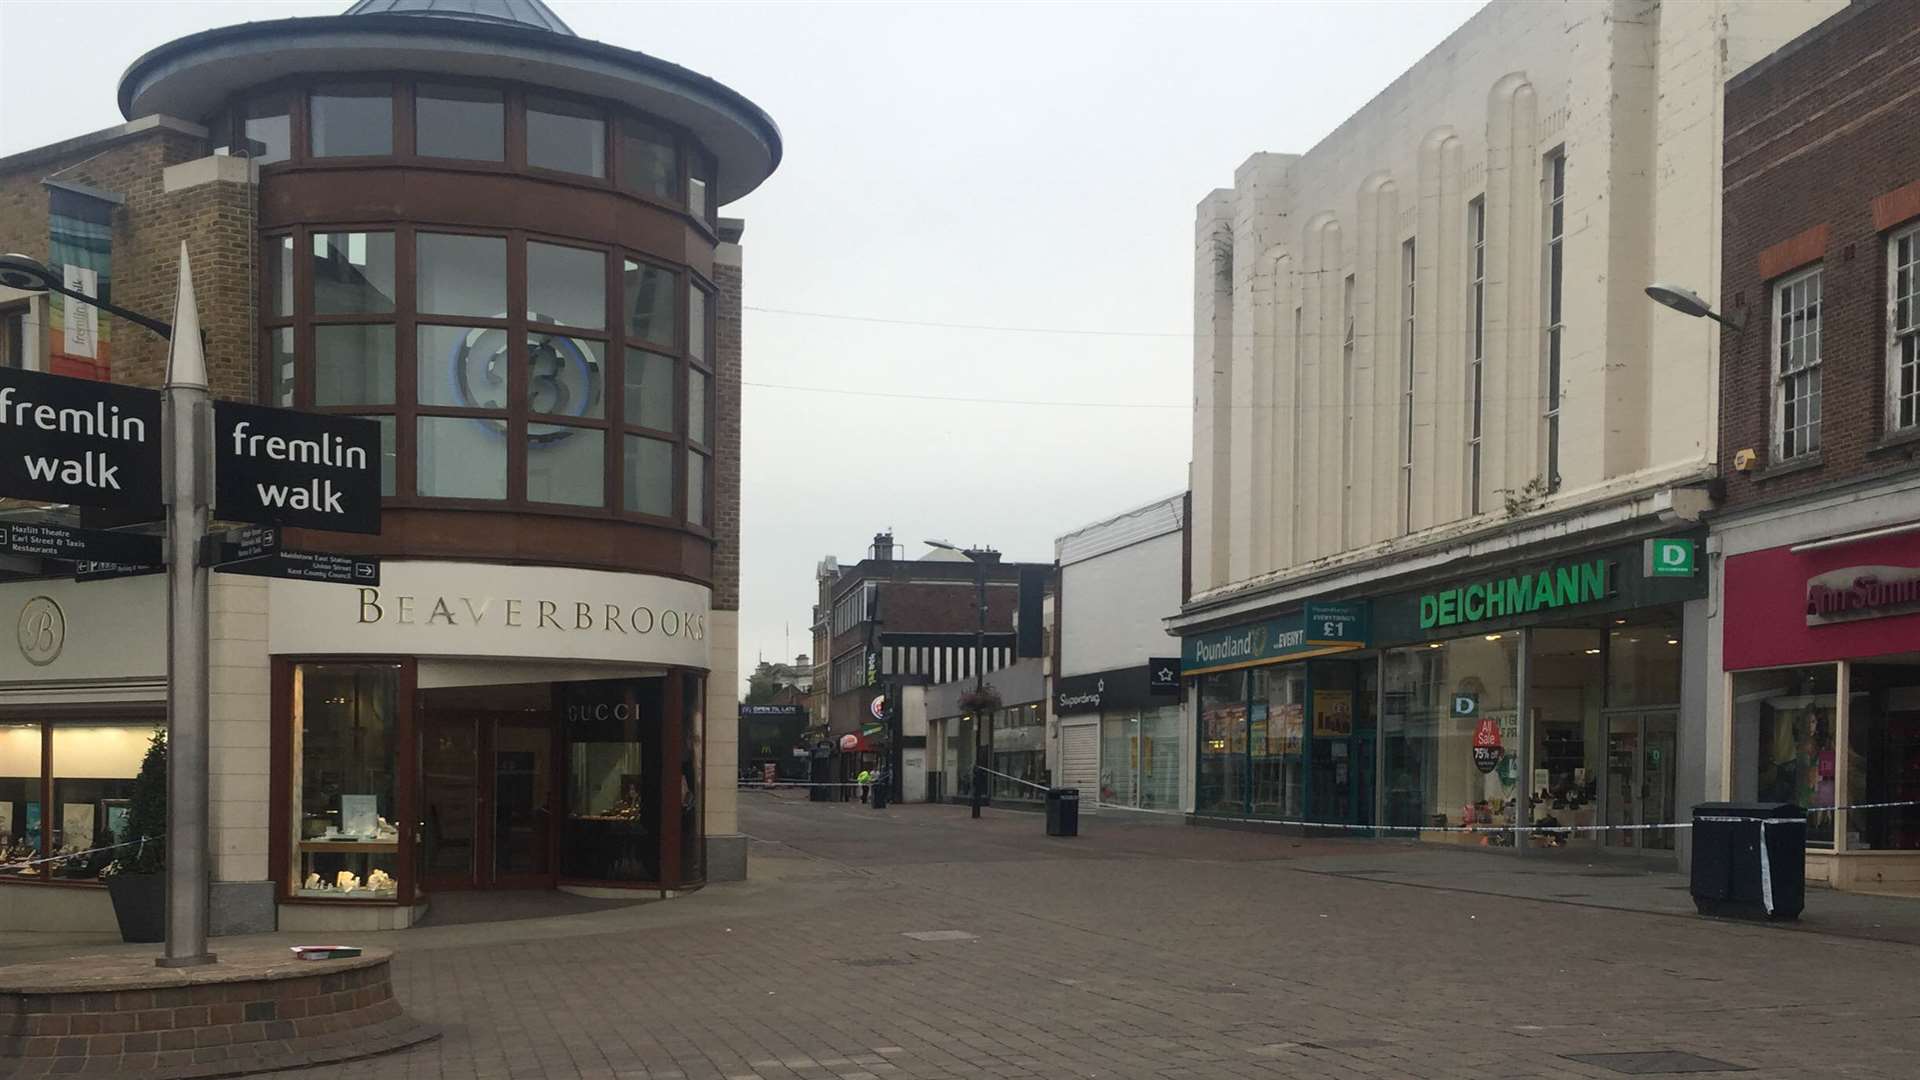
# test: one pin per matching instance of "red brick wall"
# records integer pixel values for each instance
(726, 465)
(1815, 135)
(215, 219)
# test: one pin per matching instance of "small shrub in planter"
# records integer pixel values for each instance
(136, 878)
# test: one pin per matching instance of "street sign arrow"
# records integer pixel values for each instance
(106, 571)
(238, 545)
(72, 544)
(311, 566)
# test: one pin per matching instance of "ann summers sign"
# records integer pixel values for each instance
(280, 467)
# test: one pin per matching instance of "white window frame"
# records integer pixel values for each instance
(1409, 267)
(1347, 321)
(1802, 440)
(1903, 332)
(1476, 343)
(1554, 362)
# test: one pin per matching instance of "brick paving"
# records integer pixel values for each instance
(1134, 951)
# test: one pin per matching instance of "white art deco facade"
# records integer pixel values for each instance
(1436, 420)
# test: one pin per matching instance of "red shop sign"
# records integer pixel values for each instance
(1846, 601)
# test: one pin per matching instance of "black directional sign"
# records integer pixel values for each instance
(79, 441)
(239, 545)
(103, 571)
(78, 545)
(1163, 675)
(311, 566)
(281, 467)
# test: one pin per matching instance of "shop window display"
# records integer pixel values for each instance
(346, 841)
(1221, 779)
(612, 830)
(1883, 737)
(1019, 750)
(93, 766)
(1440, 700)
(20, 799)
(1785, 740)
(1277, 741)
(1567, 674)
(1140, 759)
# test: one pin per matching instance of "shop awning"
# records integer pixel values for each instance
(856, 744)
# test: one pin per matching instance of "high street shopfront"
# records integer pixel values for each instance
(1544, 693)
(1820, 638)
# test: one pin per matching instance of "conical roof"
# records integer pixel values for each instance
(529, 13)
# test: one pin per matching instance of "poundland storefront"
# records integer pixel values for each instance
(1547, 693)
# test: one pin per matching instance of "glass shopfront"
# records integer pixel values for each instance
(528, 785)
(1140, 758)
(66, 787)
(1019, 747)
(1289, 742)
(1822, 647)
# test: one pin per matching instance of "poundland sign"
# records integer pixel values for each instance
(1315, 629)
(1520, 594)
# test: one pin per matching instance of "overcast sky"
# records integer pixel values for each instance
(1028, 167)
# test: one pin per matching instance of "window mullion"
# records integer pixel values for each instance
(517, 329)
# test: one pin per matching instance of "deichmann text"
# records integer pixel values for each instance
(1522, 594)
(545, 615)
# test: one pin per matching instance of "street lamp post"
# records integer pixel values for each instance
(186, 422)
(1687, 302)
(980, 557)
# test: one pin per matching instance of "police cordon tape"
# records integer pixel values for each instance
(64, 856)
(1482, 830)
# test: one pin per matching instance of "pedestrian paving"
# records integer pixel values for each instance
(915, 944)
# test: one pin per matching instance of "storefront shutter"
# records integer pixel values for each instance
(1080, 761)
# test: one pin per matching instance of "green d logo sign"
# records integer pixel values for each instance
(1669, 558)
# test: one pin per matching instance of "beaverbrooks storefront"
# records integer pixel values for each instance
(1543, 693)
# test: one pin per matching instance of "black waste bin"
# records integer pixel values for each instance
(1063, 811)
(878, 790)
(1734, 875)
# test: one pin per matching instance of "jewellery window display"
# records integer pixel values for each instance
(65, 792)
(612, 830)
(20, 800)
(347, 840)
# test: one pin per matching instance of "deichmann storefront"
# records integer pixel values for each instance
(1545, 693)
(539, 726)
(1821, 642)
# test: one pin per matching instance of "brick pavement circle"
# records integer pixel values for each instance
(1108, 959)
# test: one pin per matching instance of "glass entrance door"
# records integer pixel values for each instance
(1641, 748)
(487, 802)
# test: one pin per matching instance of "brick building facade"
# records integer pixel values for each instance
(528, 284)
(1817, 536)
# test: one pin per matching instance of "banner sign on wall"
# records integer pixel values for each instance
(80, 250)
(1316, 629)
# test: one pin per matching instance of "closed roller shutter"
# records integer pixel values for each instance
(1080, 762)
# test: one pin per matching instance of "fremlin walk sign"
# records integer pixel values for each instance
(79, 442)
(282, 467)
(96, 444)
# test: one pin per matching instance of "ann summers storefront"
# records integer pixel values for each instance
(1546, 693)
(1820, 634)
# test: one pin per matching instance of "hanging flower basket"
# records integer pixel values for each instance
(984, 700)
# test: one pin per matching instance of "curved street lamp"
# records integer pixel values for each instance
(28, 274)
(1687, 302)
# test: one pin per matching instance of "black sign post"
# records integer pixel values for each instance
(1163, 675)
(79, 442)
(309, 470)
